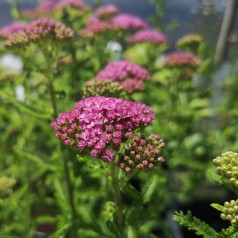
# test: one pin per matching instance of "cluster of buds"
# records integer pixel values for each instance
(102, 88)
(129, 75)
(189, 42)
(148, 35)
(181, 59)
(6, 186)
(40, 29)
(100, 124)
(141, 154)
(230, 212)
(227, 166)
(11, 29)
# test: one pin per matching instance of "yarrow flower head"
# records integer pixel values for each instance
(100, 124)
(227, 166)
(148, 35)
(190, 42)
(130, 76)
(70, 3)
(107, 11)
(45, 7)
(230, 212)
(39, 29)
(180, 59)
(96, 28)
(141, 154)
(42, 9)
(128, 21)
(102, 88)
(13, 28)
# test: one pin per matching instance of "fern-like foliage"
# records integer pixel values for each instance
(192, 223)
(224, 181)
(230, 232)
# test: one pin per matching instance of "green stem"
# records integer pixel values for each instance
(117, 196)
(66, 169)
(70, 191)
(52, 96)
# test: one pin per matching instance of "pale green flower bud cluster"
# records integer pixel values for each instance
(189, 41)
(227, 166)
(6, 186)
(230, 211)
(103, 88)
(109, 211)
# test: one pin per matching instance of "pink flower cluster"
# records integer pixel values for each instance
(70, 3)
(182, 59)
(39, 29)
(107, 10)
(100, 124)
(50, 6)
(11, 29)
(96, 28)
(148, 35)
(129, 75)
(126, 21)
(141, 154)
(45, 7)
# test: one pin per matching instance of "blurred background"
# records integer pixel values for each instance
(198, 16)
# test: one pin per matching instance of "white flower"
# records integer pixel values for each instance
(11, 63)
(114, 46)
(20, 93)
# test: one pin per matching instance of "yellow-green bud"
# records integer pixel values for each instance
(6, 186)
(230, 211)
(103, 88)
(227, 166)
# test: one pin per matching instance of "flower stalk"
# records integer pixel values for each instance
(117, 195)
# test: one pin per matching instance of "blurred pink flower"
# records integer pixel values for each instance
(107, 10)
(11, 28)
(129, 75)
(70, 3)
(128, 21)
(182, 59)
(148, 35)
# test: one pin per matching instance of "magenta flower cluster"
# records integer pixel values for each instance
(141, 154)
(126, 21)
(11, 29)
(107, 10)
(182, 59)
(39, 29)
(100, 124)
(129, 75)
(148, 35)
